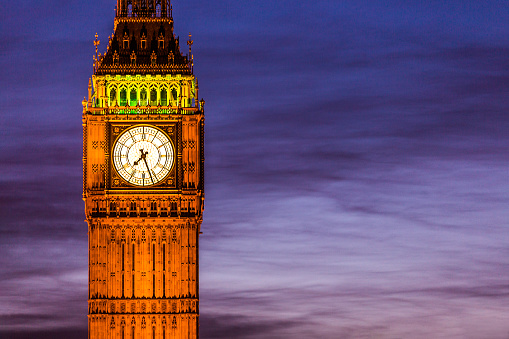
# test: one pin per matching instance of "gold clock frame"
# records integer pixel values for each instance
(171, 130)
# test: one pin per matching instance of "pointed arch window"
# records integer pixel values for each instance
(123, 97)
(164, 97)
(153, 97)
(173, 208)
(153, 208)
(164, 287)
(133, 259)
(113, 208)
(153, 257)
(151, 8)
(164, 258)
(153, 285)
(174, 97)
(133, 97)
(143, 42)
(113, 96)
(126, 41)
(143, 97)
(133, 209)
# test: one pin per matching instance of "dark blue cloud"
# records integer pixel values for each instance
(56, 334)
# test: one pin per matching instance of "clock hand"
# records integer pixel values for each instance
(142, 157)
(148, 169)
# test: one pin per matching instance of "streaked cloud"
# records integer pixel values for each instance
(356, 153)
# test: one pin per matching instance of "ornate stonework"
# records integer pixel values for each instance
(143, 239)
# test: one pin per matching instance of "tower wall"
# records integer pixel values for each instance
(143, 240)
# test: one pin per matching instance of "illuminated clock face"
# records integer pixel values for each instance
(143, 155)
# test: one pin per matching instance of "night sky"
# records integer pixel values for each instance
(357, 166)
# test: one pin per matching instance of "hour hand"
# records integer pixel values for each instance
(143, 157)
(143, 154)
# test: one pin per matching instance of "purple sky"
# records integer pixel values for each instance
(357, 167)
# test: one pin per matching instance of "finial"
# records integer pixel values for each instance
(153, 58)
(84, 103)
(133, 58)
(196, 103)
(190, 43)
(97, 55)
(89, 89)
(96, 42)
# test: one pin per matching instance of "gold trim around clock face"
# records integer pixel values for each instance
(143, 155)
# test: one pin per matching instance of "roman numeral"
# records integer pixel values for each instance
(132, 174)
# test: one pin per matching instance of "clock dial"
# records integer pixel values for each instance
(143, 155)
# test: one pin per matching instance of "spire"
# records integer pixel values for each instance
(191, 59)
(144, 9)
(97, 54)
(143, 42)
(190, 43)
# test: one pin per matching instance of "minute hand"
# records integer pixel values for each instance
(148, 169)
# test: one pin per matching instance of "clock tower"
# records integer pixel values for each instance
(143, 160)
